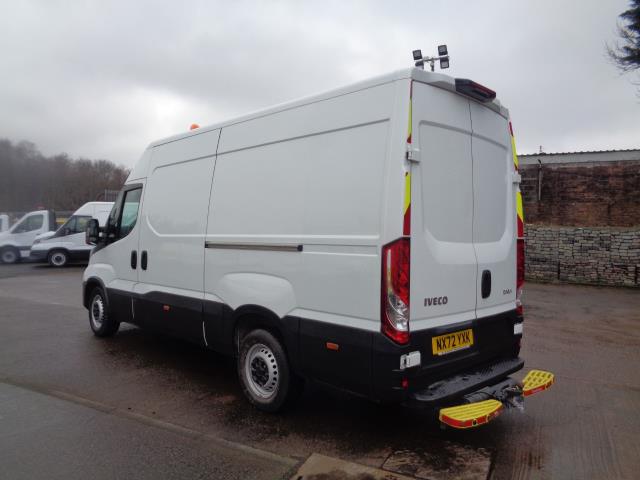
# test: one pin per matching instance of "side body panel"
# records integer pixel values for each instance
(172, 230)
(296, 221)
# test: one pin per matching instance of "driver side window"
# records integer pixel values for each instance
(127, 212)
(29, 224)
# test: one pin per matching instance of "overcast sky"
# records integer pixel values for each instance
(102, 79)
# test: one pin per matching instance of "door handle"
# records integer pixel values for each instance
(134, 259)
(486, 284)
(143, 260)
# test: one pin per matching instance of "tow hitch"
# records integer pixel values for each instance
(484, 405)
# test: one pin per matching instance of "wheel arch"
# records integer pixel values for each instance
(52, 250)
(87, 288)
(247, 318)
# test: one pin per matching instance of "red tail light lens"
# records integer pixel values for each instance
(519, 275)
(395, 290)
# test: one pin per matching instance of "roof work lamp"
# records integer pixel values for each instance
(443, 58)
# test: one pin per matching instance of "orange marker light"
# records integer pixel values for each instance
(194, 126)
(332, 346)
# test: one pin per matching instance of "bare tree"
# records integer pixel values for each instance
(626, 52)
(29, 180)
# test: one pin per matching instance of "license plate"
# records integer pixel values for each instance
(452, 342)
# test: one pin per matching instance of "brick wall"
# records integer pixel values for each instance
(599, 256)
(583, 194)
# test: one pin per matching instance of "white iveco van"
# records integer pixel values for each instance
(367, 238)
(68, 243)
(16, 242)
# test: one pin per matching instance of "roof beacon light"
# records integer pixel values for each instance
(443, 57)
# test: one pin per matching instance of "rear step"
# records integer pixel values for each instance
(507, 394)
(471, 380)
(537, 381)
(471, 415)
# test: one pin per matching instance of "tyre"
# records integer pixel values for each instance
(264, 372)
(9, 255)
(58, 258)
(102, 323)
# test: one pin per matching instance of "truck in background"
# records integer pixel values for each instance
(16, 242)
(68, 242)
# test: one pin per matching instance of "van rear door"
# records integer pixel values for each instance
(494, 212)
(443, 261)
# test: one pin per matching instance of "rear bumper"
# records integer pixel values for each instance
(493, 356)
(447, 391)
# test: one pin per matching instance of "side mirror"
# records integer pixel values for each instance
(93, 232)
(66, 231)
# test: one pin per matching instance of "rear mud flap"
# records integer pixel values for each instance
(486, 404)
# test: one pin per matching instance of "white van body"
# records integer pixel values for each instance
(283, 220)
(68, 243)
(16, 242)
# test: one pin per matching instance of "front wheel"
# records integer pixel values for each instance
(9, 255)
(264, 371)
(102, 323)
(58, 258)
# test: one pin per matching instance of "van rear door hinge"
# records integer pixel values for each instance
(413, 153)
(516, 178)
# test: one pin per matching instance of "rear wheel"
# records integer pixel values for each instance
(58, 258)
(102, 323)
(264, 372)
(9, 255)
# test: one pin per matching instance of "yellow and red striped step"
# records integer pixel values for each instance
(537, 381)
(472, 415)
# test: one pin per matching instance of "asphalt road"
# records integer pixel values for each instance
(142, 405)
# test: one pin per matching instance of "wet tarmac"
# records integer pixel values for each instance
(584, 427)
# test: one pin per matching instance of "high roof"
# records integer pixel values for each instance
(436, 79)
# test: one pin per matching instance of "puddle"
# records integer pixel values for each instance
(452, 460)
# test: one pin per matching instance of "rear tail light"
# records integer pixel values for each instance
(395, 290)
(519, 275)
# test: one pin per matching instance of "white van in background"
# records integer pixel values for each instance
(369, 238)
(68, 243)
(4, 222)
(16, 242)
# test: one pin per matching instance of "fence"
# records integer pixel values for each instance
(589, 255)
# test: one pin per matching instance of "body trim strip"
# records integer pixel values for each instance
(255, 246)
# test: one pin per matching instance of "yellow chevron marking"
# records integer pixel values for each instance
(407, 192)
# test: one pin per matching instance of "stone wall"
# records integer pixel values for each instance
(598, 256)
(582, 194)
